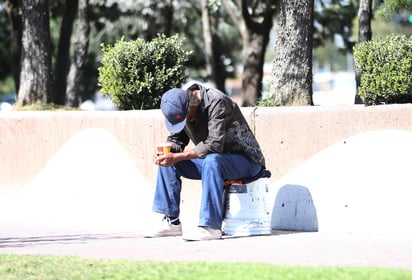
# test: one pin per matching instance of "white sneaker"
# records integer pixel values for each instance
(165, 228)
(203, 233)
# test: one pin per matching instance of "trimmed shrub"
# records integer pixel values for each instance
(135, 74)
(386, 70)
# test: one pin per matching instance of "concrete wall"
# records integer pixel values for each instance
(288, 135)
(92, 152)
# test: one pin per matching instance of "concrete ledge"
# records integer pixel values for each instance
(81, 156)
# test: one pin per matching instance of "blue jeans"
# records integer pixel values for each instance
(213, 170)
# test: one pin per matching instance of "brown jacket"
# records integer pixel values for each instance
(220, 127)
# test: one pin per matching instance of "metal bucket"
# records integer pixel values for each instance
(247, 209)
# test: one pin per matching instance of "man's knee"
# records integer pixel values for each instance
(212, 160)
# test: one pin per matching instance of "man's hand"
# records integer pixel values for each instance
(171, 158)
(166, 160)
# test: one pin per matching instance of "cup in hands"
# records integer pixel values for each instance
(163, 148)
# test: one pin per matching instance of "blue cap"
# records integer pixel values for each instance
(174, 106)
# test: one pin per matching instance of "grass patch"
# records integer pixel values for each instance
(13, 267)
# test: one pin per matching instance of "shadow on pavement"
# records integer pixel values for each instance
(21, 242)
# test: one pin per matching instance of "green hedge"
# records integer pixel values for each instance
(386, 70)
(135, 74)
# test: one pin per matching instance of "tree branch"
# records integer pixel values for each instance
(232, 8)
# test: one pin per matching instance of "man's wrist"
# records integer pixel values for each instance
(187, 155)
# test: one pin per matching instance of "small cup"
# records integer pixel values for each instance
(163, 148)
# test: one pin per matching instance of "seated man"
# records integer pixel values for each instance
(224, 149)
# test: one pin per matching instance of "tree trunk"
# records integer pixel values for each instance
(76, 69)
(292, 66)
(365, 34)
(208, 43)
(258, 17)
(220, 73)
(365, 18)
(63, 51)
(13, 9)
(35, 76)
(253, 62)
(168, 13)
(254, 24)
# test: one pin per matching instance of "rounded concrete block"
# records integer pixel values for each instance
(294, 209)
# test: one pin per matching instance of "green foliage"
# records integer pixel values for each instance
(389, 8)
(385, 67)
(5, 35)
(266, 102)
(381, 29)
(7, 86)
(136, 73)
(323, 56)
(334, 18)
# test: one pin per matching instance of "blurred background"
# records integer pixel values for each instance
(110, 20)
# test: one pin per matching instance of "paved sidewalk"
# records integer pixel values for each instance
(284, 248)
